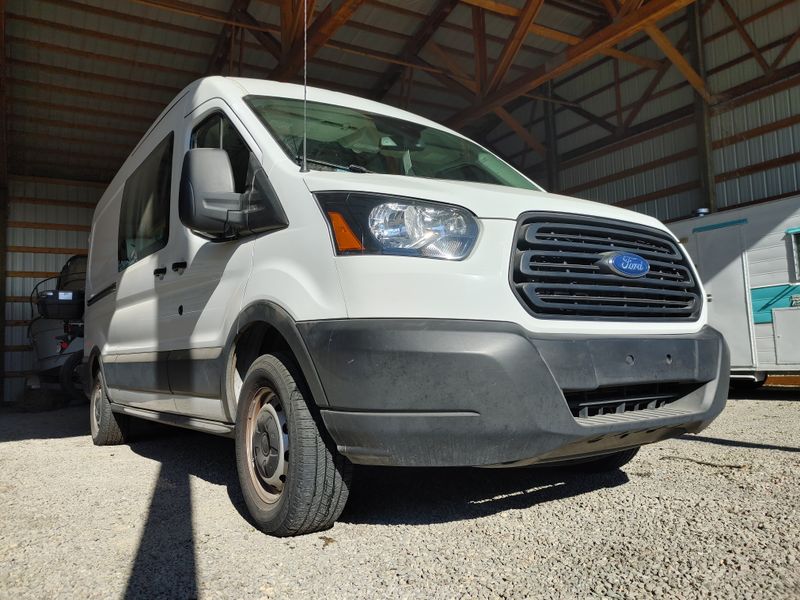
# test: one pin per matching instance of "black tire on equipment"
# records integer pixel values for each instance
(66, 377)
(317, 478)
(609, 462)
(746, 385)
(108, 428)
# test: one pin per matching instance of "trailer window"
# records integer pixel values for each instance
(794, 237)
(144, 213)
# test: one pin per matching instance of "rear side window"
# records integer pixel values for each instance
(144, 214)
(218, 132)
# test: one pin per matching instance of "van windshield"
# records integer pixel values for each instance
(345, 139)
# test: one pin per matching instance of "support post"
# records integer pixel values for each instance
(3, 194)
(702, 116)
(551, 141)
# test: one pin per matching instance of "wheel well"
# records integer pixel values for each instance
(256, 339)
(94, 366)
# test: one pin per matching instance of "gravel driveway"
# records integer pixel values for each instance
(714, 515)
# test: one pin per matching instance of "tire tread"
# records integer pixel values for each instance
(323, 475)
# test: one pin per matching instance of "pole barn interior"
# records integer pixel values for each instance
(660, 106)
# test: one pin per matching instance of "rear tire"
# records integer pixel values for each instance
(293, 479)
(609, 462)
(108, 428)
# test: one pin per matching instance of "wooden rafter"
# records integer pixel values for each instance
(521, 27)
(617, 94)
(521, 131)
(651, 87)
(737, 23)
(292, 22)
(458, 81)
(267, 41)
(557, 35)
(414, 45)
(580, 111)
(786, 49)
(628, 6)
(479, 45)
(287, 27)
(611, 7)
(208, 14)
(622, 29)
(677, 59)
(455, 69)
(320, 31)
(219, 55)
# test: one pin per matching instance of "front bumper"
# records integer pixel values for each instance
(423, 392)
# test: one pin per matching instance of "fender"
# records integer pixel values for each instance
(269, 313)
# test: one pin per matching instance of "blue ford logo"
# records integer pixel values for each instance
(626, 264)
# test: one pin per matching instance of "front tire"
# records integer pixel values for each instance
(108, 428)
(293, 479)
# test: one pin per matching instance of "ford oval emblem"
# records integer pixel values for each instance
(626, 264)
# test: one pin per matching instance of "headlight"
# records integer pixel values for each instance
(377, 224)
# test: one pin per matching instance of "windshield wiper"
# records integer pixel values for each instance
(351, 168)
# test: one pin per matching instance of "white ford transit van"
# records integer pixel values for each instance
(410, 299)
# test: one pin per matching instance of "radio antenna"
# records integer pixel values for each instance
(304, 168)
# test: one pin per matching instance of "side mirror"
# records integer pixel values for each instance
(209, 204)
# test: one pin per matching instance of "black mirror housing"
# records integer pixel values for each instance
(261, 209)
(209, 205)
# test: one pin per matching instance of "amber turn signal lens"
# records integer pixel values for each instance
(346, 240)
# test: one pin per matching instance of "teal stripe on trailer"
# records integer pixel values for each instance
(767, 298)
(719, 225)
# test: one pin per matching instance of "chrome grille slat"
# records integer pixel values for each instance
(556, 271)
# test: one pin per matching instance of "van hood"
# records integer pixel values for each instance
(486, 201)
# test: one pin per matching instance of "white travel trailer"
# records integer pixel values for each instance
(409, 299)
(749, 261)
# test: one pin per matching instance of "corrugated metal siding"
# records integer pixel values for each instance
(70, 207)
(723, 53)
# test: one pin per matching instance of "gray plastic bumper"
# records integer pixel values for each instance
(457, 393)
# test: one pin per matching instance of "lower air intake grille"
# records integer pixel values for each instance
(560, 270)
(621, 399)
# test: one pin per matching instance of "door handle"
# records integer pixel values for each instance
(160, 272)
(179, 266)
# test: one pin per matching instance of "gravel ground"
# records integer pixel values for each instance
(714, 515)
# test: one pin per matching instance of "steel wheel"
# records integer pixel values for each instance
(95, 408)
(268, 448)
(288, 491)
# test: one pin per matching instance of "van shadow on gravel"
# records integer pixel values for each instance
(165, 562)
(411, 496)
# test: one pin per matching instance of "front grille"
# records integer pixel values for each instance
(556, 271)
(626, 398)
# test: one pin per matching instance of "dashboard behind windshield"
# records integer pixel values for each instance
(343, 138)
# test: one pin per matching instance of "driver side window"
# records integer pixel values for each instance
(217, 131)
